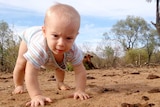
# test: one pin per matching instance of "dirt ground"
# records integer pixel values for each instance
(123, 87)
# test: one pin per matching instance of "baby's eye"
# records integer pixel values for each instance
(69, 38)
(54, 35)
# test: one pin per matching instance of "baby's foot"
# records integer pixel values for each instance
(62, 86)
(18, 90)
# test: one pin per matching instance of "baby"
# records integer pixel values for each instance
(51, 45)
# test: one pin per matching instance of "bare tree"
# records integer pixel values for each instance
(157, 24)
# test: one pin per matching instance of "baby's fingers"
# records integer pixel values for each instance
(28, 104)
(18, 90)
(81, 96)
(48, 100)
(75, 96)
(84, 97)
(37, 103)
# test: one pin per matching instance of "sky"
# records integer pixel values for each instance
(97, 16)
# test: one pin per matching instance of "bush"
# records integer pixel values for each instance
(69, 67)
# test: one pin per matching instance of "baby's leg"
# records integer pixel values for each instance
(19, 70)
(59, 79)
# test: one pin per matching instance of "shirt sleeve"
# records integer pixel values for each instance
(28, 33)
(35, 55)
(75, 55)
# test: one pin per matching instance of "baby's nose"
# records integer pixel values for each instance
(61, 42)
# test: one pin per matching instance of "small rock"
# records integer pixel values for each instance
(107, 89)
(135, 72)
(52, 79)
(131, 105)
(12, 99)
(151, 76)
(156, 90)
(125, 105)
(52, 76)
(145, 98)
(89, 77)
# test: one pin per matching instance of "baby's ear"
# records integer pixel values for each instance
(44, 31)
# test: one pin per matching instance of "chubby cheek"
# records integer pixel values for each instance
(51, 44)
(69, 46)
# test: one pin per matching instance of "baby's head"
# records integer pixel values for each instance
(61, 26)
(65, 14)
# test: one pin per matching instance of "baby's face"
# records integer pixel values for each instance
(60, 35)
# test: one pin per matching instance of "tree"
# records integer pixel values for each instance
(110, 56)
(4, 31)
(157, 24)
(128, 31)
(8, 47)
(134, 33)
(108, 52)
(150, 40)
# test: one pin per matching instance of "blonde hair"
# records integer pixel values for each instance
(63, 11)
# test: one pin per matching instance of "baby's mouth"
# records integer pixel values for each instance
(59, 50)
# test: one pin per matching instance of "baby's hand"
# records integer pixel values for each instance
(80, 94)
(38, 100)
(18, 90)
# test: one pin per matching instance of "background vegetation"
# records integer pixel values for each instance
(138, 45)
(8, 47)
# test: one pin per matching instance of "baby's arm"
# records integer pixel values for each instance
(19, 70)
(31, 79)
(80, 79)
